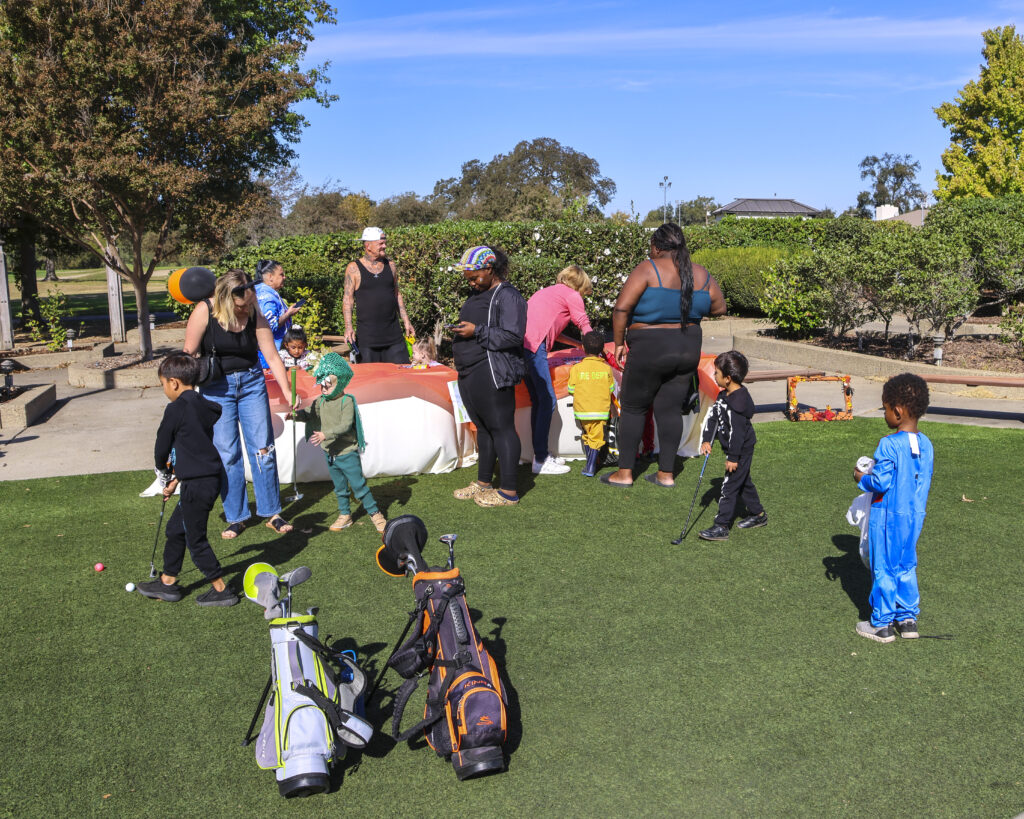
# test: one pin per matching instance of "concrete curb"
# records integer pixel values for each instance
(22, 411)
(46, 361)
(847, 363)
(81, 375)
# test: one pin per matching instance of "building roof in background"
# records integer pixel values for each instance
(786, 207)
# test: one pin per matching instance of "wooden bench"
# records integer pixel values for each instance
(338, 343)
(975, 380)
(778, 375)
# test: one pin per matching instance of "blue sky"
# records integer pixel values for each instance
(728, 100)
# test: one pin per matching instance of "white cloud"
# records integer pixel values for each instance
(415, 37)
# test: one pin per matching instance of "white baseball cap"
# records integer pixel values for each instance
(372, 234)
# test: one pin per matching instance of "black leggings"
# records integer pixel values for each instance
(659, 372)
(494, 413)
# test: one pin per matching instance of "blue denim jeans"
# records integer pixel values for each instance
(243, 400)
(542, 399)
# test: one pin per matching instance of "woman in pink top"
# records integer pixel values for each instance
(548, 313)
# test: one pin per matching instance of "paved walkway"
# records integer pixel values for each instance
(95, 431)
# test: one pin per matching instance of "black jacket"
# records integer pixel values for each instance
(503, 334)
(187, 427)
(732, 412)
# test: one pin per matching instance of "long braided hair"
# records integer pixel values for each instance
(670, 237)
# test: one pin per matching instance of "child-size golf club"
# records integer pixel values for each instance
(296, 495)
(686, 526)
(156, 540)
(450, 540)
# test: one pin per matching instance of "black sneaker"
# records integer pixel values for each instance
(159, 590)
(217, 598)
(880, 634)
(753, 521)
(907, 629)
(716, 532)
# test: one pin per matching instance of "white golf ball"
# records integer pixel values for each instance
(129, 587)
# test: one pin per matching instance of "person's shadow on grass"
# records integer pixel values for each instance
(498, 649)
(397, 490)
(850, 571)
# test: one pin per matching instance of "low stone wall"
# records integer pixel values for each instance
(46, 361)
(31, 403)
(848, 363)
(82, 375)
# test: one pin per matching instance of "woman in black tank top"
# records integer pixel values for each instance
(242, 395)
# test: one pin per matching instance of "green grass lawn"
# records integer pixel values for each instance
(646, 679)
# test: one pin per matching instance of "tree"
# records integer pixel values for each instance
(537, 180)
(408, 209)
(327, 209)
(123, 117)
(893, 182)
(695, 211)
(986, 123)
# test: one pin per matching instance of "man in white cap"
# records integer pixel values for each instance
(372, 286)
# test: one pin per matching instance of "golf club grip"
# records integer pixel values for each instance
(460, 626)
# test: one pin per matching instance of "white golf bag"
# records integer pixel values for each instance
(315, 705)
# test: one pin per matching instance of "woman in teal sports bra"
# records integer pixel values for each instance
(664, 348)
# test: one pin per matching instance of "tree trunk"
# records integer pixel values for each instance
(27, 277)
(142, 314)
(51, 269)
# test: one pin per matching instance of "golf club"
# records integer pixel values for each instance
(686, 526)
(296, 494)
(156, 540)
(450, 540)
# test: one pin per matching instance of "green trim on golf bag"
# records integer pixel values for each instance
(315, 694)
(465, 717)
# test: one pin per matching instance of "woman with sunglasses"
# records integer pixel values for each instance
(239, 332)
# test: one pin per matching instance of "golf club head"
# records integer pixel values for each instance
(450, 540)
(296, 497)
(296, 576)
(152, 570)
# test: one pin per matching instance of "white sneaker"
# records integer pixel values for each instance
(549, 467)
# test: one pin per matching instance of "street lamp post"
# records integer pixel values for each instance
(664, 185)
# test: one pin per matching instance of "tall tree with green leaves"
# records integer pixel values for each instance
(122, 117)
(986, 123)
(893, 182)
(537, 180)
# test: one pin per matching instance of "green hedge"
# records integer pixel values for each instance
(433, 291)
(741, 271)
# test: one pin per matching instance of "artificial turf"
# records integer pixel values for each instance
(708, 679)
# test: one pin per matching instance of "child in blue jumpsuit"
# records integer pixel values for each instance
(899, 484)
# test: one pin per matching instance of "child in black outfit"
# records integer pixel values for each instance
(187, 427)
(731, 414)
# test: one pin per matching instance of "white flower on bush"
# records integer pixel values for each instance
(609, 303)
(589, 230)
(607, 252)
(536, 236)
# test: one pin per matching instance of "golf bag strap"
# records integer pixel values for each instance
(351, 729)
(358, 684)
(435, 708)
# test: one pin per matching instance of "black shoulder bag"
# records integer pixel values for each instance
(210, 367)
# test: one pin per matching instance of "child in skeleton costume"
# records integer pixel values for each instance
(899, 483)
(332, 421)
(730, 415)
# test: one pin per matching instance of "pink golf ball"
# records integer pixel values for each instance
(99, 567)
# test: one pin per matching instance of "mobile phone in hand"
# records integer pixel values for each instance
(300, 303)
(454, 326)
